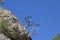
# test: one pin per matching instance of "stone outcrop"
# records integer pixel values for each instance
(12, 30)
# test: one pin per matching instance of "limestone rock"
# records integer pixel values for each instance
(14, 31)
(2, 37)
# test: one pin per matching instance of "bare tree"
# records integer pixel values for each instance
(29, 23)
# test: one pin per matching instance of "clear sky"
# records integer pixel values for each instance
(45, 12)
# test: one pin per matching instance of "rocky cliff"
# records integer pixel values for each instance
(11, 28)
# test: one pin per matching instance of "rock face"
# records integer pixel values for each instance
(12, 30)
(2, 37)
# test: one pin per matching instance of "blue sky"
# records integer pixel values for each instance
(45, 12)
